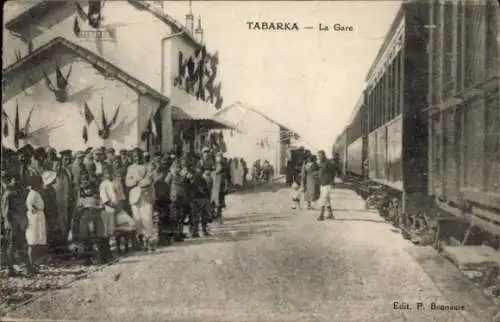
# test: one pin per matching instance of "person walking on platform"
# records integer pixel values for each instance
(326, 178)
(309, 178)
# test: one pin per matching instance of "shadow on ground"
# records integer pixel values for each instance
(265, 187)
(362, 220)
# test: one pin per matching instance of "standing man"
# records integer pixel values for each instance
(138, 180)
(326, 180)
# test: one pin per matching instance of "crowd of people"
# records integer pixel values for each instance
(262, 171)
(80, 201)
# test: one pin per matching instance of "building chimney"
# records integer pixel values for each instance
(199, 31)
(190, 19)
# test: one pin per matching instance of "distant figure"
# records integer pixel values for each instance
(267, 171)
(256, 171)
(289, 173)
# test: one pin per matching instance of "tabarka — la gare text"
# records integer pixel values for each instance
(273, 25)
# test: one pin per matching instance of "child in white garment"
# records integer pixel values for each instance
(295, 196)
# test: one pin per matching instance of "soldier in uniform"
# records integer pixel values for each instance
(176, 185)
(200, 202)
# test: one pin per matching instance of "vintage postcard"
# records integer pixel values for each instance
(250, 161)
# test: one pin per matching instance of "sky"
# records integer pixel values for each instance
(307, 79)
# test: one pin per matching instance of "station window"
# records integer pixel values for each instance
(459, 49)
(448, 50)
(401, 80)
(492, 51)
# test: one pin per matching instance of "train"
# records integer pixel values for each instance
(426, 128)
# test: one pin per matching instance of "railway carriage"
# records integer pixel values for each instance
(464, 112)
(396, 88)
(430, 116)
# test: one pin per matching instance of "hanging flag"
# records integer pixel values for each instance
(16, 128)
(62, 82)
(201, 71)
(103, 116)
(6, 119)
(89, 118)
(25, 130)
(76, 27)
(115, 117)
(85, 135)
(94, 14)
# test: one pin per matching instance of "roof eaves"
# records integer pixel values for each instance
(93, 59)
(255, 110)
(166, 18)
(227, 108)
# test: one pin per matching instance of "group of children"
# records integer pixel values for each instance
(85, 199)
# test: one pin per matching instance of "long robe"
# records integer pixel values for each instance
(36, 231)
(53, 226)
(219, 185)
(64, 198)
(142, 209)
(310, 182)
(240, 173)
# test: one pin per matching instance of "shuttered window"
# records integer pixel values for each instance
(475, 33)
(492, 42)
(401, 83)
(384, 97)
(436, 65)
(492, 144)
(448, 50)
(436, 153)
(474, 144)
(459, 47)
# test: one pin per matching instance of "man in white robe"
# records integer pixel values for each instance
(138, 179)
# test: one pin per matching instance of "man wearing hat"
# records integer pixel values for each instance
(139, 181)
(64, 195)
(110, 155)
(219, 186)
(13, 222)
(200, 202)
(99, 158)
(55, 235)
(206, 162)
(66, 157)
(124, 158)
